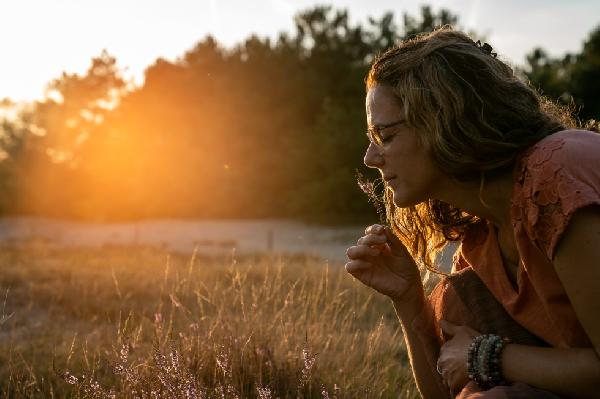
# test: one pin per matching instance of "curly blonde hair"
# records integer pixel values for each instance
(476, 117)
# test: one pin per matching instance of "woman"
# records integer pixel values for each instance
(469, 153)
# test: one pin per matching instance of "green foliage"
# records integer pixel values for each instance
(585, 77)
(270, 128)
(429, 19)
(572, 79)
(266, 129)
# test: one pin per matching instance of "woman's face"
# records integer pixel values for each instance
(403, 161)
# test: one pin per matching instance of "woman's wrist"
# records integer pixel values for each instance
(484, 360)
(409, 306)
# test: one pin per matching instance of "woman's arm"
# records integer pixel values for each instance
(573, 372)
(577, 264)
(422, 347)
(380, 261)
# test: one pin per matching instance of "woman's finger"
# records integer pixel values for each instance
(453, 329)
(456, 382)
(471, 331)
(394, 242)
(451, 380)
(449, 328)
(374, 229)
(372, 239)
(355, 266)
(446, 373)
(361, 251)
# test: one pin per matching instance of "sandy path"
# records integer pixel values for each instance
(209, 236)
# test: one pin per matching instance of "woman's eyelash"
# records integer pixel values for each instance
(388, 138)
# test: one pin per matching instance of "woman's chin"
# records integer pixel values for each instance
(403, 201)
(399, 200)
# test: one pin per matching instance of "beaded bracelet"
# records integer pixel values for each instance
(495, 366)
(484, 360)
(472, 355)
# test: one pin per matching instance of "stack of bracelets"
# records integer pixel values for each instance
(483, 361)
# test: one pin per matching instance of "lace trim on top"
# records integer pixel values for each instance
(547, 193)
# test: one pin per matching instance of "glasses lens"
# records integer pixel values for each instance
(374, 135)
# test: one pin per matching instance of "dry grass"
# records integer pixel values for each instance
(138, 322)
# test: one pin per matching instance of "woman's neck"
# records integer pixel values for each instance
(488, 199)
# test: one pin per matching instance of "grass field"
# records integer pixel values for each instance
(131, 322)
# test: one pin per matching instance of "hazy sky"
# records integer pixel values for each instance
(42, 38)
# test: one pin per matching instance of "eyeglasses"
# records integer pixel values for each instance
(374, 132)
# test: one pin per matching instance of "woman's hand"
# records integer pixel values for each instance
(452, 362)
(380, 261)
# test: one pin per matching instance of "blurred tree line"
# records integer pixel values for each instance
(270, 128)
(573, 79)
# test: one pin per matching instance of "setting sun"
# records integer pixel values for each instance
(288, 199)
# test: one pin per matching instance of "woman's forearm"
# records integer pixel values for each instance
(571, 372)
(422, 347)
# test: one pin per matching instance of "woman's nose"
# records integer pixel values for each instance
(373, 157)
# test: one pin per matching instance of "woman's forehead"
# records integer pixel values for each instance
(381, 103)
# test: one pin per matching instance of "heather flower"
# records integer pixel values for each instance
(69, 378)
(264, 392)
(370, 188)
(309, 361)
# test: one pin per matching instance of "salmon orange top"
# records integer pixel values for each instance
(554, 178)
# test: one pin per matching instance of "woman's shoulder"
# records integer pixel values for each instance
(557, 176)
(563, 156)
(563, 146)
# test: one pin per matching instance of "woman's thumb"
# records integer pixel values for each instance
(394, 242)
